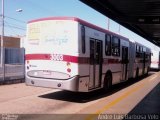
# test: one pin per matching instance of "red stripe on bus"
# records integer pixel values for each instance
(75, 59)
(37, 57)
(68, 58)
(155, 62)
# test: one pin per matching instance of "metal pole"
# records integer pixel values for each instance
(2, 42)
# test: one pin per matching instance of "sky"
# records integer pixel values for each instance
(15, 22)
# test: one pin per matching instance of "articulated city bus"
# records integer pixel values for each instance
(71, 54)
(155, 60)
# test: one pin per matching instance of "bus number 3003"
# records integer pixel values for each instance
(56, 57)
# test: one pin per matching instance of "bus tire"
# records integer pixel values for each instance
(107, 81)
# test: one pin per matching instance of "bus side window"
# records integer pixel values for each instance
(83, 39)
(107, 45)
(115, 46)
(140, 52)
(137, 51)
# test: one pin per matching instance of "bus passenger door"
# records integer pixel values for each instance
(95, 63)
(125, 62)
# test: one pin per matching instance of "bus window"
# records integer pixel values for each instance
(115, 46)
(147, 57)
(83, 39)
(138, 51)
(137, 48)
(107, 45)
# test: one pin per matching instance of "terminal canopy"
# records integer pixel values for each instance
(140, 16)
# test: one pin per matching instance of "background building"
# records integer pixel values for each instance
(13, 60)
(11, 42)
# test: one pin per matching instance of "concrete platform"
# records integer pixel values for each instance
(139, 99)
(150, 103)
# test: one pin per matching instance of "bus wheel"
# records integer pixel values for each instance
(107, 82)
(137, 73)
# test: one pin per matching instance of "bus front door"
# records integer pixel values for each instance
(124, 63)
(95, 63)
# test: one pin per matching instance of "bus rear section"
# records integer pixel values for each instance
(155, 60)
(142, 60)
(52, 53)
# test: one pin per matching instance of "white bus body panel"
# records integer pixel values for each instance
(50, 42)
(155, 59)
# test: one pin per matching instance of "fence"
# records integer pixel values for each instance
(14, 67)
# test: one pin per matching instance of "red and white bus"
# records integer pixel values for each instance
(71, 54)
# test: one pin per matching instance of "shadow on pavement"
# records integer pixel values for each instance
(81, 97)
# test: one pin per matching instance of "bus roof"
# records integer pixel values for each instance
(80, 21)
